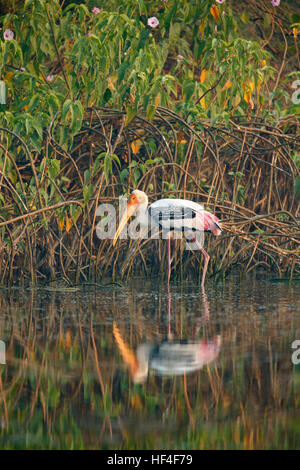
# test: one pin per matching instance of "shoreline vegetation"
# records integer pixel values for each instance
(100, 103)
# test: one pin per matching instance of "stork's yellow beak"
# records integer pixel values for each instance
(130, 209)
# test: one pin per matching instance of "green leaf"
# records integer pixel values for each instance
(130, 114)
(199, 47)
(107, 96)
(170, 15)
(77, 117)
(151, 112)
(188, 89)
(55, 165)
(87, 193)
(116, 158)
(245, 17)
(33, 103)
(122, 70)
(107, 167)
(124, 175)
(142, 7)
(174, 33)
(66, 106)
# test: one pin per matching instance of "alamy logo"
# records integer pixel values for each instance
(2, 352)
(296, 94)
(296, 354)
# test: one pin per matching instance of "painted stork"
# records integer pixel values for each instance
(172, 215)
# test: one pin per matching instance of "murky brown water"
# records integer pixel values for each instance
(140, 368)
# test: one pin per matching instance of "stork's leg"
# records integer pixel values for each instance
(169, 259)
(206, 260)
(169, 315)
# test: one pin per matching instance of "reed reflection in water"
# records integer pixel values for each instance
(217, 372)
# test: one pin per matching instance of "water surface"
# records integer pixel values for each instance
(139, 367)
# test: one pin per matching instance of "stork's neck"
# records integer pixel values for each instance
(142, 213)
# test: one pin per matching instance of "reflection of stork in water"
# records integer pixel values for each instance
(170, 357)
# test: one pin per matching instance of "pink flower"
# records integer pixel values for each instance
(220, 1)
(8, 34)
(96, 10)
(49, 78)
(275, 3)
(179, 58)
(153, 22)
(89, 34)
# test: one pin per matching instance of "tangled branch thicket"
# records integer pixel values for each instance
(245, 172)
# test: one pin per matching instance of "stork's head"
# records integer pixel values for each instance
(138, 197)
(137, 200)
